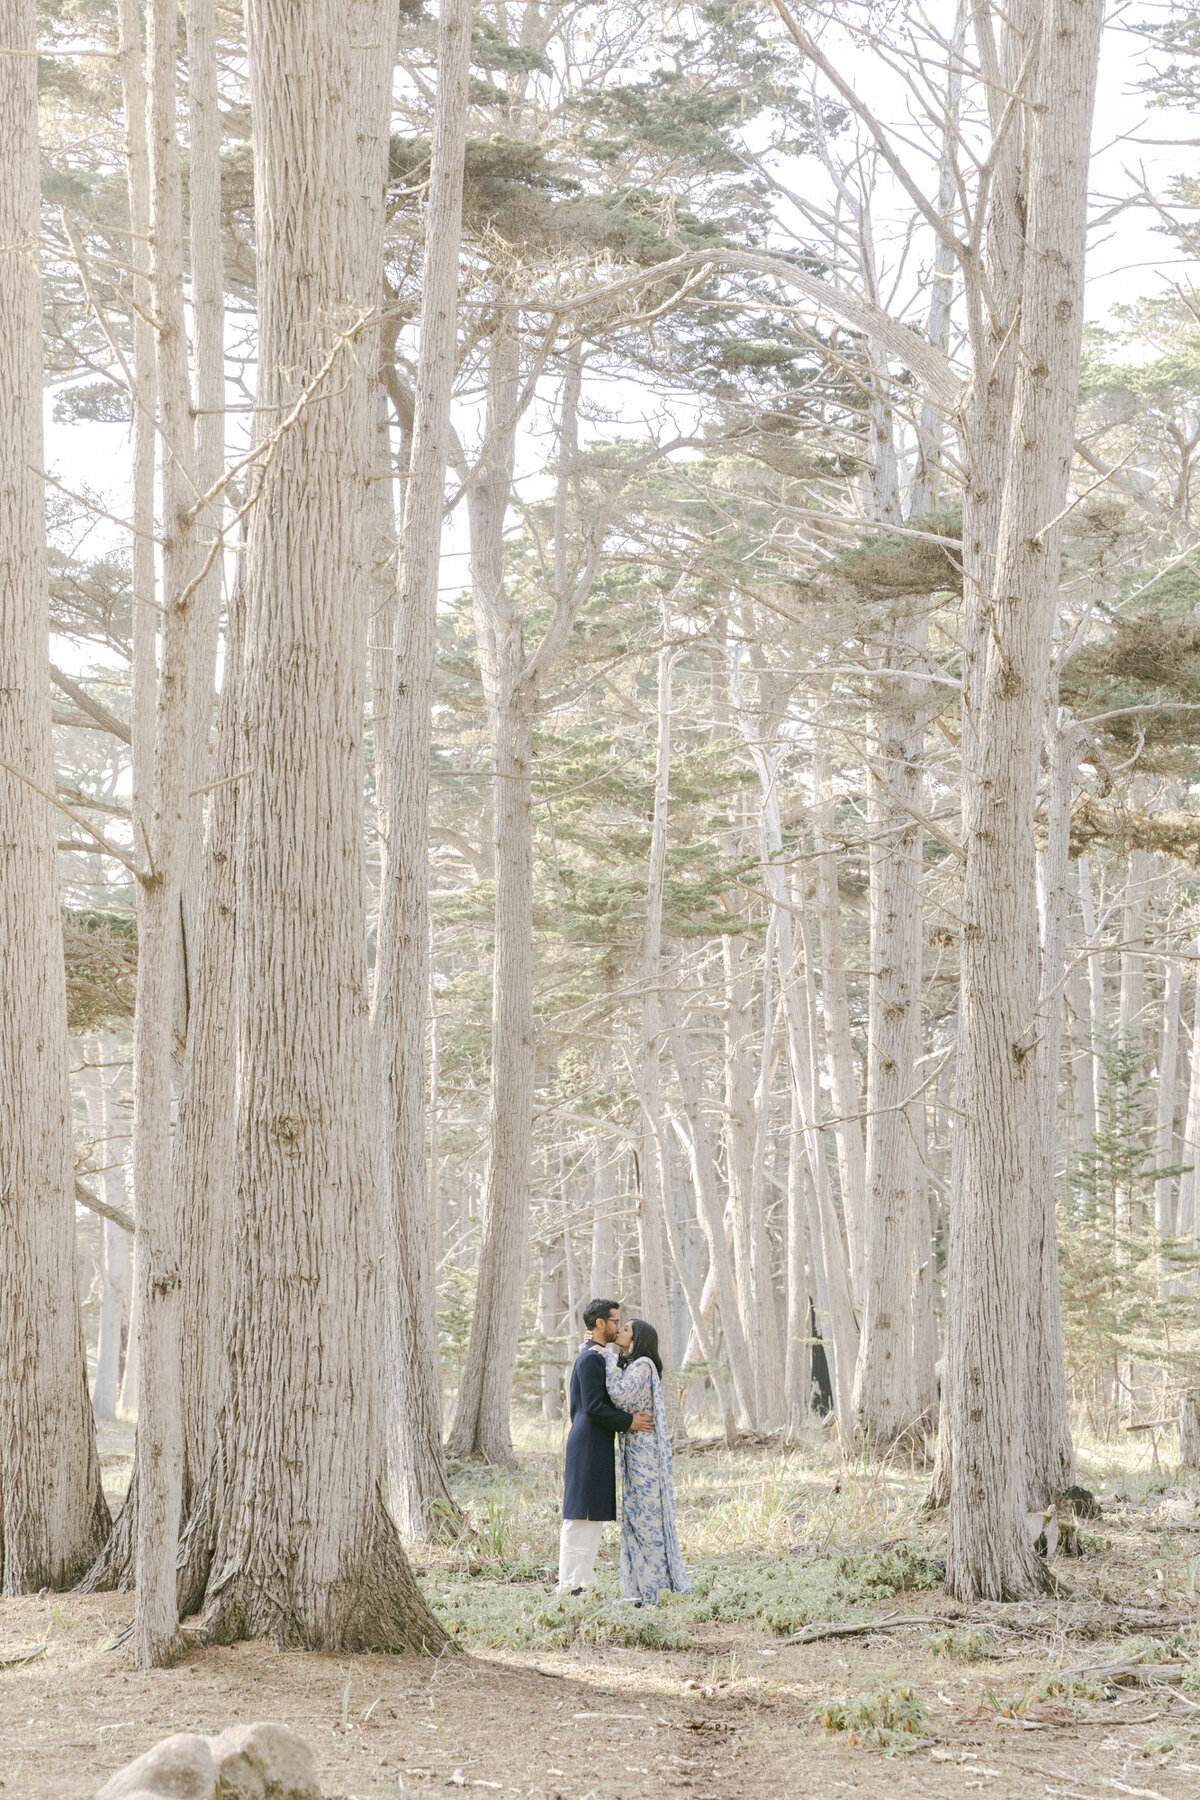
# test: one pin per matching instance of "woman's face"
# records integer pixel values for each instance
(624, 1336)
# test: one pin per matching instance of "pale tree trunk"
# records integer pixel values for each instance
(750, 1111)
(402, 982)
(293, 1525)
(701, 1153)
(548, 1322)
(159, 1312)
(142, 559)
(1095, 980)
(203, 1163)
(1048, 1450)
(988, 1554)
(1188, 1221)
(202, 1160)
(105, 1121)
(481, 1420)
(1189, 1429)
(602, 1270)
(835, 1016)
(884, 1394)
(1164, 1135)
(653, 1199)
(797, 1376)
(839, 1327)
(52, 1512)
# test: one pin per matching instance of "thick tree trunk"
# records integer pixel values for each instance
(52, 1512)
(303, 1549)
(988, 1554)
(418, 1476)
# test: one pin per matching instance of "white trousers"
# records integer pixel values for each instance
(578, 1543)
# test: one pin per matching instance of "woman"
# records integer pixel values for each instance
(651, 1563)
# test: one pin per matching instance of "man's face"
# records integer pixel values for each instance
(611, 1326)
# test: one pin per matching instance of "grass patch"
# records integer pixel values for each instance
(888, 1718)
(974, 1644)
(476, 1610)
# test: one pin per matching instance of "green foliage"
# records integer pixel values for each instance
(1122, 1287)
(100, 947)
(893, 1570)
(971, 1644)
(478, 1611)
(887, 1718)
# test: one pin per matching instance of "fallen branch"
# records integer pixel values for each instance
(12, 1659)
(812, 1634)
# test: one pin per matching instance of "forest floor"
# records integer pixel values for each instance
(705, 1696)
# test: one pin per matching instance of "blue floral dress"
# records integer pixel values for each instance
(651, 1562)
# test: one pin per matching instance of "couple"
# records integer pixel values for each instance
(615, 1390)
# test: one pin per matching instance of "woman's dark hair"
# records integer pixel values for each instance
(645, 1343)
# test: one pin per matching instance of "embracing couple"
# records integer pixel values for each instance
(616, 1393)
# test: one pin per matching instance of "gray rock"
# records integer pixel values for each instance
(264, 1762)
(180, 1768)
(247, 1762)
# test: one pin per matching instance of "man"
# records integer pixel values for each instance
(590, 1495)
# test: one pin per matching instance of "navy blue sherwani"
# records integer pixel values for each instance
(591, 1486)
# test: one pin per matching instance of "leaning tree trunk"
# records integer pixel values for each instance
(303, 1549)
(988, 1554)
(403, 957)
(52, 1512)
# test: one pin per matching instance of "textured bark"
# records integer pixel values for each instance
(302, 1548)
(884, 1395)
(1048, 1450)
(831, 1280)
(171, 821)
(105, 1122)
(52, 1513)
(701, 1153)
(481, 1420)
(652, 1200)
(835, 1017)
(797, 1377)
(403, 958)
(988, 1554)
(1188, 1221)
(202, 1172)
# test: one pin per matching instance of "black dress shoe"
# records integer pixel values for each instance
(575, 1593)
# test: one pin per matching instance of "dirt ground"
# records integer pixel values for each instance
(707, 1696)
(731, 1719)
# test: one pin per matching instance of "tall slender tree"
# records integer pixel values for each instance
(52, 1512)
